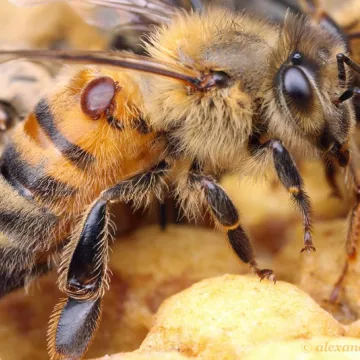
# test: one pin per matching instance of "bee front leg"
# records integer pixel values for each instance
(83, 269)
(225, 214)
(289, 176)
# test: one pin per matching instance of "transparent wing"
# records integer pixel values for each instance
(108, 14)
(113, 59)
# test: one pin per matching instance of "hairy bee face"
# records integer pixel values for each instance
(303, 86)
(230, 52)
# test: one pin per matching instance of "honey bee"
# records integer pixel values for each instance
(220, 91)
(21, 85)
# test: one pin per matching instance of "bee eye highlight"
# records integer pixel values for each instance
(297, 86)
(297, 58)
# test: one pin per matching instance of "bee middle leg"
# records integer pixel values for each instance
(289, 176)
(83, 269)
(226, 215)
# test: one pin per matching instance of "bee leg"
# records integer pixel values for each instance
(330, 175)
(289, 176)
(83, 278)
(342, 58)
(225, 214)
(163, 218)
(83, 269)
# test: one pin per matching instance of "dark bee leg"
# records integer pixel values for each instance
(341, 72)
(225, 214)
(163, 218)
(291, 179)
(83, 269)
(330, 174)
(83, 277)
(349, 62)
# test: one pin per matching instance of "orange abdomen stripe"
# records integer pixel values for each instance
(70, 151)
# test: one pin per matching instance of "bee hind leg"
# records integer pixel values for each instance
(83, 269)
(83, 278)
(72, 327)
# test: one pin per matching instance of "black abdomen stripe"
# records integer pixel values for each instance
(22, 176)
(78, 156)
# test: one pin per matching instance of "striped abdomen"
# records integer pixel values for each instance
(64, 155)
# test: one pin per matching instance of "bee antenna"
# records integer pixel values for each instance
(355, 35)
(347, 94)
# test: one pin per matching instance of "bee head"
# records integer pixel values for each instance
(305, 84)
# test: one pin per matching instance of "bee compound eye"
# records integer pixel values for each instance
(97, 96)
(297, 86)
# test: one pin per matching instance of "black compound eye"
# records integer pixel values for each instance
(297, 58)
(297, 86)
(221, 79)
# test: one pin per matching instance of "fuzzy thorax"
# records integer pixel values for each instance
(213, 125)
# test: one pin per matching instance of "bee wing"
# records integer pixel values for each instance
(109, 14)
(113, 59)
